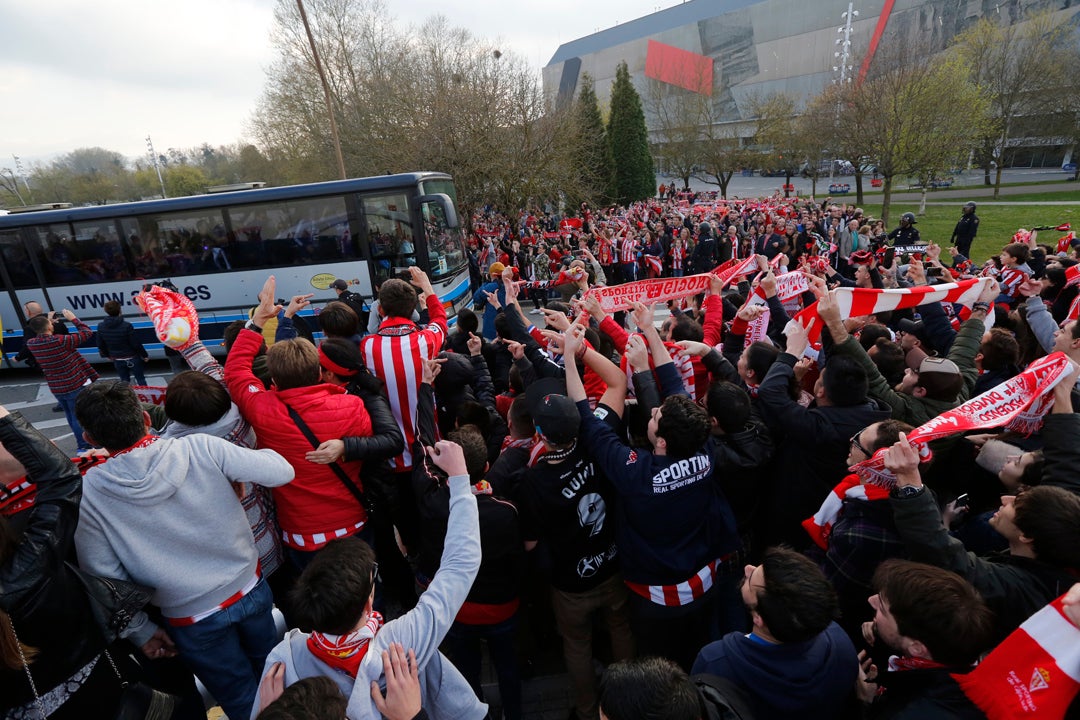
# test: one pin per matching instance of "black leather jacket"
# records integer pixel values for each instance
(45, 601)
(386, 439)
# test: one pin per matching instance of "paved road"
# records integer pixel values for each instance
(25, 390)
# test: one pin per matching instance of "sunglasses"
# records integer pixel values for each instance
(854, 442)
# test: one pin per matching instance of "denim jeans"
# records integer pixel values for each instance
(67, 402)
(227, 650)
(131, 366)
(463, 644)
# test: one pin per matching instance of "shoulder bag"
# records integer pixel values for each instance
(352, 487)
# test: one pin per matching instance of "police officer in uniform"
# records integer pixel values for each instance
(966, 229)
(906, 234)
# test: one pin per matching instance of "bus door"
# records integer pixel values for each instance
(391, 238)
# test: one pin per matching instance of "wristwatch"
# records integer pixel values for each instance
(250, 325)
(908, 491)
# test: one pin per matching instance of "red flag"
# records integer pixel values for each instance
(1034, 673)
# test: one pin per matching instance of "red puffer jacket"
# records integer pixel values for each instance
(316, 502)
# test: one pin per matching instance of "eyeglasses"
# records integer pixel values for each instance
(856, 444)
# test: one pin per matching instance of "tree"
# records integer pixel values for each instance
(1021, 69)
(678, 121)
(846, 128)
(629, 140)
(429, 98)
(901, 102)
(779, 133)
(722, 155)
(816, 133)
(595, 160)
(9, 188)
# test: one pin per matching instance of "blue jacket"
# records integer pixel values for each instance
(805, 680)
(672, 517)
(490, 311)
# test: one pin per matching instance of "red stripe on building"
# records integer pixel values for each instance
(882, 21)
(679, 67)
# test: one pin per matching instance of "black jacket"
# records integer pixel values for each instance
(811, 451)
(386, 439)
(498, 580)
(44, 599)
(922, 695)
(116, 339)
(1013, 587)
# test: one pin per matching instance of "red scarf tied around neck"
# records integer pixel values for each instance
(345, 652)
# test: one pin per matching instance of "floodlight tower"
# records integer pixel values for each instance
(157, 164)
(843, 55)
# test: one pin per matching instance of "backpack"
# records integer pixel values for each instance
(722, 699)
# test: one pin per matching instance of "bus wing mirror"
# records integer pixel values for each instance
(443, 201)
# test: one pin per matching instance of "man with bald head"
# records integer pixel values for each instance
(32, 309)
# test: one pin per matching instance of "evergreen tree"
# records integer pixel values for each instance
(595, 154)
(629, 141)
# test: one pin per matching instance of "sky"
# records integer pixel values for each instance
(110, 72)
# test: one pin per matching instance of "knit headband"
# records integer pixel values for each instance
(333, 367)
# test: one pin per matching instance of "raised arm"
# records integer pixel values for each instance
(1060, 431)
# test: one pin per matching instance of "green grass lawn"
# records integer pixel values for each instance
(903, 186)
(1062, 195)
(996, 223)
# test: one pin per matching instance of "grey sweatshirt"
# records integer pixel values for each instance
(444, 692)
(166, 516)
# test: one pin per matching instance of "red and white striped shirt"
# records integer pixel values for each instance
(678, 256)
(396, 353)
(628, 250)
(605, 252)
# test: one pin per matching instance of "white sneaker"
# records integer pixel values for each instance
(535, 311)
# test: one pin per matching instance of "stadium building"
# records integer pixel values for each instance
(734, 50)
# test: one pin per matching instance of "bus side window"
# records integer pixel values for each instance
(58, 254)
(294, 232)
(16, 259)
(101, 255)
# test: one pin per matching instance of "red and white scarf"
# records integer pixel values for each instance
(855, 302)
(654, 264)
(820, 525)
(345, 652)
(620, 297)
(789, 287)
(1019, 404)
(1033, 673)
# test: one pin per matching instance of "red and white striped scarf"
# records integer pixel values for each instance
(655, 264)
(1033, 673)
(789, 287)
(1019, 404)
(820, 525)
(855, 302)
(345, 652)
(620, 297)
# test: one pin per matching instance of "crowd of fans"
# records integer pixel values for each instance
(720, 516)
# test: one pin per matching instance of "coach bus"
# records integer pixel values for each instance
(218, 250)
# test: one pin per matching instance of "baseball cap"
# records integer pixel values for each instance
(555, 415)
(914, 358)
(496, 268)
(340, 284)
(916, 328)
(944, 366)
